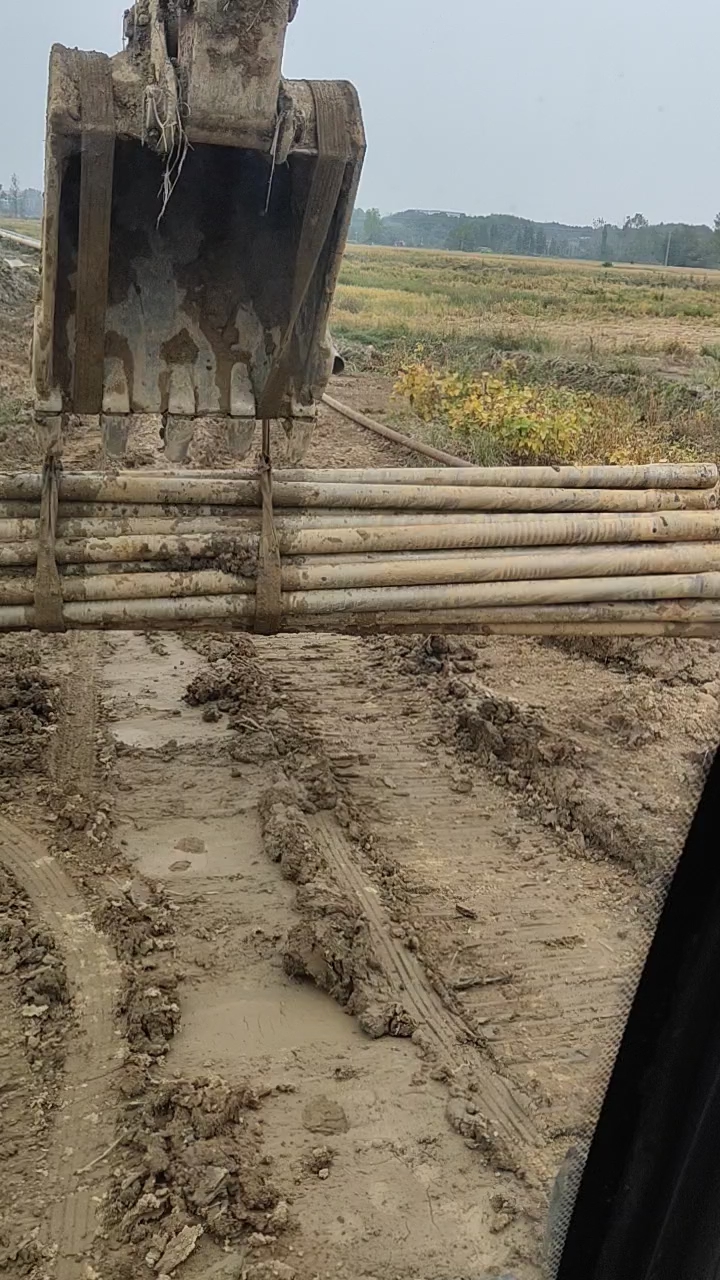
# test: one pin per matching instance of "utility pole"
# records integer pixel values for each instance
(667, 251)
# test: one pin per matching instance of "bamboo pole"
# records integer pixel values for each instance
(131, 586)
(687, 618)
(105, 524)
(412, 569)
(656, 475)
(475, 595)
(692, 618)
(459, 498)
(151, 586)
(230, 611)
(145, 488)
(130, 516)
(649, 476)
(654, 612)
(29, 510)
(106, 550)
(547, 530)
(85, 519)
(134, 487)
(90, 520)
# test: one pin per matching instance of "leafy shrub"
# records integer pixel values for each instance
(528, 422)
(531, 422)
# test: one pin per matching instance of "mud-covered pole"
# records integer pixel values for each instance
(133, 488)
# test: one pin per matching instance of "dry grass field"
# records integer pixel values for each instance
(23, 226)
(543, 304)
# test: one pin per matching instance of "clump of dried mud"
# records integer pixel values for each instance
(193, 1163)
(514, 743)
(233, 677)
(26, 713)
(29, 958)
(18, 286)
(138, 920)
(234, 685)
(331, 946)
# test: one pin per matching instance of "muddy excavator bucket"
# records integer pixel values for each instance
(197, 209)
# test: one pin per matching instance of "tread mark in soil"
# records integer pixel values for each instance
(85, 1119)
(504, 1112)
(74, 755)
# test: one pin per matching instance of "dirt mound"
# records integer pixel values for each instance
(193, 1163)
(28, 954)
(332, 945)
(18, 286)
(233, 681)
(286, 834)
(554, 774)
(139, 921)
(669, 661)
(26, 711)
(496, 727)
(561, 765)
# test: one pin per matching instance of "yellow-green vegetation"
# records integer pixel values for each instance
(499, 418)
(389, 294)
(23, 226)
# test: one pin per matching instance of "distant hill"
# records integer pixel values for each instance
(677, 244)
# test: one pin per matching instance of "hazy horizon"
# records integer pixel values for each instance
(536, 112)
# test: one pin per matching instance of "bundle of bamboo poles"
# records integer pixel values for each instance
(529, 550)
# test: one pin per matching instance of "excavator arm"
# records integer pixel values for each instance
(197, 210)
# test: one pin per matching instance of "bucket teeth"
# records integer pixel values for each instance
(181, 396)
(178, 433)
(116, 393)
(240, 437)
(242, 396)
(115, 432)
(299, 433)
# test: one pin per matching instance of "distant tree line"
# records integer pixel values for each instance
(16, 202)
(674, 244)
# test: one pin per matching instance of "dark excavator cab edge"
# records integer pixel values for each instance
(648, 1202)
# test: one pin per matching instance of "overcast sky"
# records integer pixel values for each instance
(550, 110)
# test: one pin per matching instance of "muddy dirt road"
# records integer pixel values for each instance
(313, 949)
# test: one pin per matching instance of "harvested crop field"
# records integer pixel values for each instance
(547, 304)
(315, 948)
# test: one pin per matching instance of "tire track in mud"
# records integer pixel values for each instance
(504, 1123)
(510, 1122)
(74, 756)
(547, 926)
(85, 1117)
(84, 1120)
